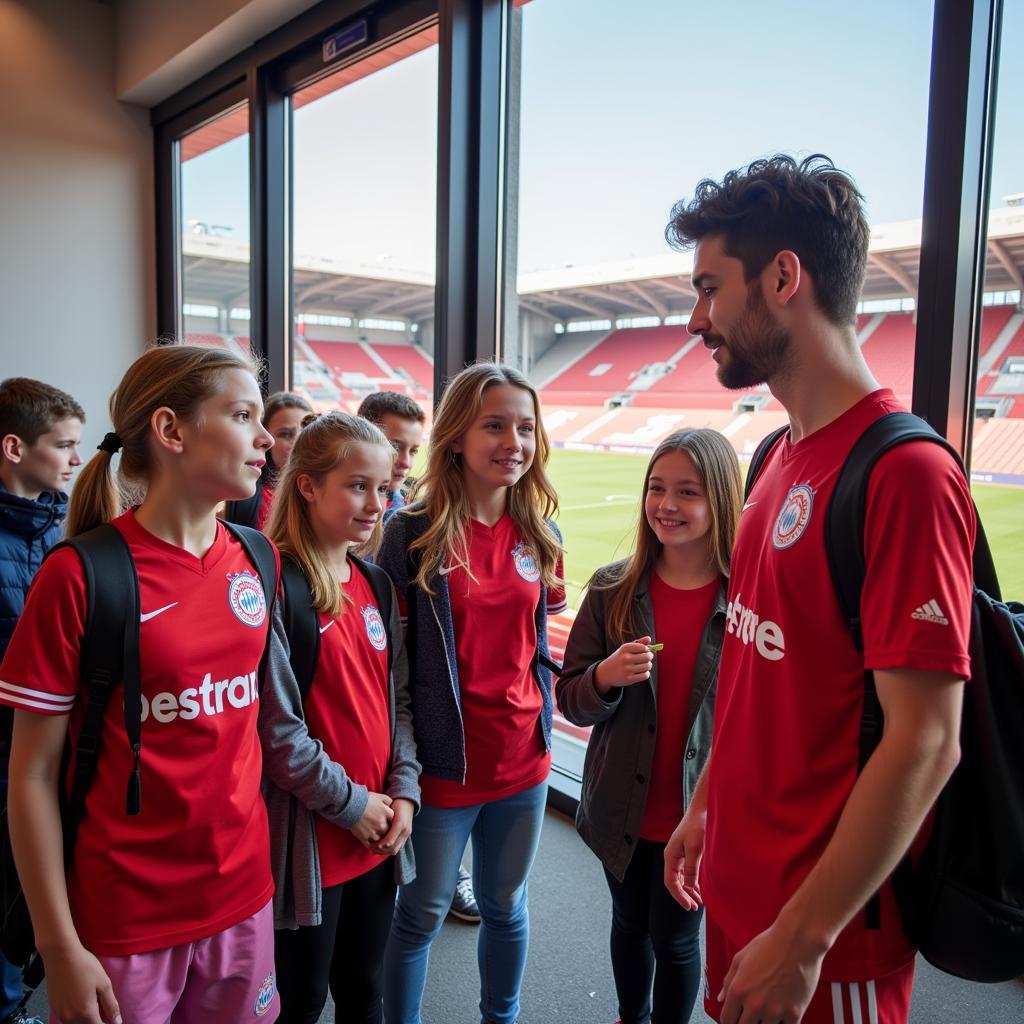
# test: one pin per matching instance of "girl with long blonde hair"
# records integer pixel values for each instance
(477, 560)
(640, 667)
(165, 913)
(337, 735)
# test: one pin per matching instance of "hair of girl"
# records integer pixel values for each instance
(440, 493)
(180, 377)
(324, 442)
(719, 472)
(271, 407)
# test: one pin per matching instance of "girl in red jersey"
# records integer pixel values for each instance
(478, 562)
(652, 713)
(165, 915)
(340, 758)
(283, 414)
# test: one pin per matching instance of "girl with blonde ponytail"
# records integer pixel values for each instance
(478, 561)
(339, 752)
(165, 913)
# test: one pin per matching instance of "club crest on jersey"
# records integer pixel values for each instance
(375, 630)
(793, 517)
(526, 564)
(245, 596)
(265, 996)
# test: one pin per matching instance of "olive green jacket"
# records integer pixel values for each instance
(620, 754)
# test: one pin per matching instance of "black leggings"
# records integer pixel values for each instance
(648, 928)
(345, 953)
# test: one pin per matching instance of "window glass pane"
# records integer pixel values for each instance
(997, 462)
(620, 117)
(215, 231)
(365, 158)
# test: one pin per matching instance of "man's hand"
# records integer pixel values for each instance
(771, 980)
(683, 854)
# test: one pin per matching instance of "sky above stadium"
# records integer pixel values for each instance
(624, 108)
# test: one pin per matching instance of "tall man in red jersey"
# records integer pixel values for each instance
(784, 841)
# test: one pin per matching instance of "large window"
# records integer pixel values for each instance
(998, 456)
(214, 231)
(619, 120)
(365, 212)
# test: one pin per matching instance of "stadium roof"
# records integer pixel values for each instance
(217, 273)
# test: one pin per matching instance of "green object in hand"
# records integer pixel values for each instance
(654, 648)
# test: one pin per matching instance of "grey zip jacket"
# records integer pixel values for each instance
(300, 781)
(621, 749)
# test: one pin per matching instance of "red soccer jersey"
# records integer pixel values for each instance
(679, 620)
(791, 683)
(196, 860)
(496, 641)
(348, 711)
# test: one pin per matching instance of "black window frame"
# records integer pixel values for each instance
(478, 102)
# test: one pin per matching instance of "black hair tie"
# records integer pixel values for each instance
(111, 444)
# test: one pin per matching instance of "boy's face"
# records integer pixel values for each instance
(47, 465)
(406, 436)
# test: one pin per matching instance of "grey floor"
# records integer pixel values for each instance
(568, 975)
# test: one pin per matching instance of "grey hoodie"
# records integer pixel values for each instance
(301, 781)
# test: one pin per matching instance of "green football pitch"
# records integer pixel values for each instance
(599, 495)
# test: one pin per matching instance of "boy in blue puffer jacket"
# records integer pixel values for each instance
(40, 430)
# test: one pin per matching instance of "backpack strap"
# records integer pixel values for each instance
(549, 663)
(263, 558)
(109, 655)
(760, 454)
(245, 512)
(380, 584)
(300, 625)
(845, 519)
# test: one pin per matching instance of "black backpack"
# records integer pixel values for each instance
(245, 512)
(109, 656)
(962, 900)
(302, 625)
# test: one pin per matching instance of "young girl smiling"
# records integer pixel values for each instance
(651, 708)
(476, 548)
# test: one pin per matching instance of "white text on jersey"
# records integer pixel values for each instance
(748, 626)
(208, 698)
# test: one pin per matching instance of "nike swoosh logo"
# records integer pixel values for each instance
(159, 611)
(323, 629)
(749, 504)
(445, 569)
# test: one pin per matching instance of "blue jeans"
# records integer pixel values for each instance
(505, 836)
(10, 988)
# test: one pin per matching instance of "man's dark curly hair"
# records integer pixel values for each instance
(811, 208)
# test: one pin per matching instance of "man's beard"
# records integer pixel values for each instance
(757, 348)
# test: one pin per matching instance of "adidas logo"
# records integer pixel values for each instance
(931, 612)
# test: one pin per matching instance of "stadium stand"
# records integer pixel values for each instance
(889, 352)
(629, 389)
(620, 361)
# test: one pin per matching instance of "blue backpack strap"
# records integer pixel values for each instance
(245, 512)
(760, 454)
(300, 624)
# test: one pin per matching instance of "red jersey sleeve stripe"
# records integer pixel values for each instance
(36, 700)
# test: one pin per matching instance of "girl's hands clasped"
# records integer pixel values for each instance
(401, 829)
(375, 823)
(629, 665)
